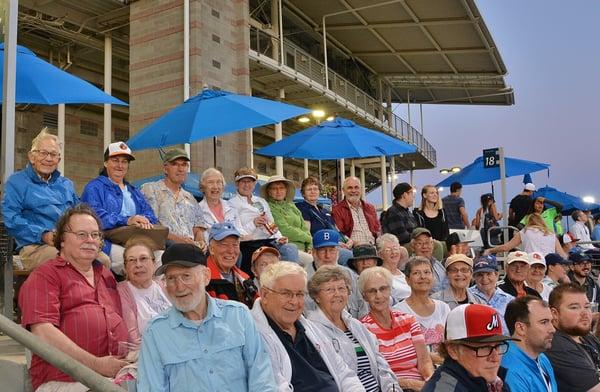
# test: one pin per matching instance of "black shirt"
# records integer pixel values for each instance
(520, 205)
(309, 371)
(575, 365)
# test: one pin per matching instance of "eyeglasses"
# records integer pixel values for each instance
(84, 235)
(486, 351)
(390, 250)
(45, 154)
(372, 292)
(141, 260)
(463, 271)
(288, 294)
(335, 290)
(185, 278)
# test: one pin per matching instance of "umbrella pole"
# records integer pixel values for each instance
(215, 152)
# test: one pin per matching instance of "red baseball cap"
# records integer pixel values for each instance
(475, 323)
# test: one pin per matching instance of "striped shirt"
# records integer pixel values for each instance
(363, 369)
(397, 343)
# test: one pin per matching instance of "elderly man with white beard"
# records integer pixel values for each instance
(354, 217)
(201, 343)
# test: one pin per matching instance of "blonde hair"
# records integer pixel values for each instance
(279, 270)
(438, 204)
(536, 221)
(45, 135)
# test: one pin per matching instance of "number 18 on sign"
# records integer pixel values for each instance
(491, 158)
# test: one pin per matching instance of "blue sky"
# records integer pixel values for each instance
(551, 51)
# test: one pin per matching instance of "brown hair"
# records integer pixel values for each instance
(556, 295)
(438, 204)
(310, 180)
(65, 220)
(138, 241)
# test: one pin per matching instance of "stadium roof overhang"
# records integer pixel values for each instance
(434, 51)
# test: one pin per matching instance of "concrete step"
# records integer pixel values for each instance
(13, 367)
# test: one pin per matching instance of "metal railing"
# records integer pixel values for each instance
(301, 61)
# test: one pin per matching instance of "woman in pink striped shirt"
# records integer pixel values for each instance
(400, 338)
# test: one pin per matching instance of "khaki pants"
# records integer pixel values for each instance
(34, 255)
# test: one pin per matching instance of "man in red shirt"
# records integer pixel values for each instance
(354, 217)
(71, 302)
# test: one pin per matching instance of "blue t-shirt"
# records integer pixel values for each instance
(128, 206)
(527, 374)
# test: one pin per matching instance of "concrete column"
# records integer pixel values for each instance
(393, 173)
(384, 196)
(362, 180)
(305, 168)
(352, 169)
(278, 137)
(107, 89)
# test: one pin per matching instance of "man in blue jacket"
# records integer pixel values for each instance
(529, 321)
(34, 198)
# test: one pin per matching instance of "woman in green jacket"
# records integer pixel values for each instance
(279, 193)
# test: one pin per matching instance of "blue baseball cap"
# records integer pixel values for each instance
(326, 237)
(218, 231)
(485, 264)
(579, 258)
(555, 258)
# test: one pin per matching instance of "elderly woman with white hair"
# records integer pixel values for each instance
(329, 287)
(213, 207)
(293, 341)
(394, 257)
(401, 341)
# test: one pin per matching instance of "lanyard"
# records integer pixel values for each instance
(545, 376)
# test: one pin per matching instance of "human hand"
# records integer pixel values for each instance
(282, 240)
(108, 366)
(260, 220)
(349, 244)
(139, 221)
(48, 238)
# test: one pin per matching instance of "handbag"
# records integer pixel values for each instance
(157, 235)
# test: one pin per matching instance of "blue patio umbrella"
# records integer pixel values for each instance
(39, 82)
(570, 202)
(475, 173)
(211, 113)
(337, 139)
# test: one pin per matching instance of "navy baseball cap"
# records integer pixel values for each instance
(218, 231)
(185, 255)
(485, 264)
(326, 237)
(579, 258)
(555, 258)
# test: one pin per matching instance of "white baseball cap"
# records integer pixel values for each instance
(537, 258)
(518, 256)
(118, 148)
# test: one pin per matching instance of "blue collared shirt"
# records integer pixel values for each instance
(223, 352)
(527, 374)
